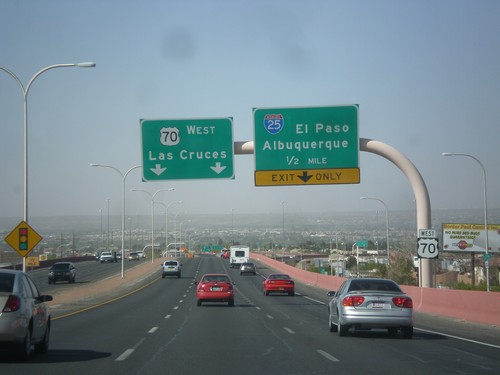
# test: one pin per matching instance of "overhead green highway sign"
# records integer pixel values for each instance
(187, 149)
(305, 146)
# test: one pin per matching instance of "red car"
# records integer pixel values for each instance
(278, 282)
(215, 287)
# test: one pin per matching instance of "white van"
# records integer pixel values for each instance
(238, 255)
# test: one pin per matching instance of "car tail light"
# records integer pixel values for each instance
(13, 304)
(353, 300)
(404, 302)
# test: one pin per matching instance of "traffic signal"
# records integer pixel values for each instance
(23, 238)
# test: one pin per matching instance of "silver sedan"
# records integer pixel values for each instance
(367, 303)
(24, 318)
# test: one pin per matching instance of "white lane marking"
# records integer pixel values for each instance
(168, 316)
(257, 307)
(458, 338)
(128, 352)
(176, 307)
(289, 330)
(125, 355)
(153, 330)
(328, 356)
(269, 316)
(315, 300)
(180, 301)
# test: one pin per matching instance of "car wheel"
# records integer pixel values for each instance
(43, 346)
(24, 349)
(392, 331)
(230, 302)
(407, 332)
(266, 293)
(179, 276)
(342, 329)
(198, 303)
(292, 293)
(162, 275)
(50, 281)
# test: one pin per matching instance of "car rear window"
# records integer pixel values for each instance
(60, 266)
(380, 285)
(170, 263)
(279, 277)
(6, 282)
(214, 279)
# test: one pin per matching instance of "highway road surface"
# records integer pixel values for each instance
(160, 330)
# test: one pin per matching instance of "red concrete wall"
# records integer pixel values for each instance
(474, 306)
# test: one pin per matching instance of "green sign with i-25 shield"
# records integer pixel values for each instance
(187, 149)
(303, 146)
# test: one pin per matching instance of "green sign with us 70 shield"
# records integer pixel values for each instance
(187, 149)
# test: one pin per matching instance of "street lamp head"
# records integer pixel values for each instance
(455, 154)
(86, 64)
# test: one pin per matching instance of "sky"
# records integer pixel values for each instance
(425, 75)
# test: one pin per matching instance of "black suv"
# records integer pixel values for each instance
(62, 271)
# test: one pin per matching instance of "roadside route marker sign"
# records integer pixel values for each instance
(187, 149)
(306, 146)
(23, 238)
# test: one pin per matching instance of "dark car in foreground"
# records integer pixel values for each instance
(62, 271)
(24, 318)
(367, 303)
(215, 287)
(279, 283)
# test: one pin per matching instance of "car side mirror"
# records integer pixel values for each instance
(331, 293)
(44, 298)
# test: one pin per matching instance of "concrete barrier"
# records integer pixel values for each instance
(473, 306)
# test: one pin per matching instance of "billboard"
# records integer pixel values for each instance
(469, 238)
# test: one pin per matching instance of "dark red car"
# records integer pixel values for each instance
(215, 287)
(279, 283)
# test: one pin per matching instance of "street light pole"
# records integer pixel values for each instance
(283, 222)
(485, 209)
(386, 226)
(166, 225)
(25, 112)
(152, 196)
(124, 177)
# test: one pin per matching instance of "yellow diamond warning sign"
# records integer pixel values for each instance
(23, 238)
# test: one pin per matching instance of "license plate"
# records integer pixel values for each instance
(216, 289)
(378, 305)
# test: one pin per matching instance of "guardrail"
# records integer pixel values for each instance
(473, 306)
(48, 263)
